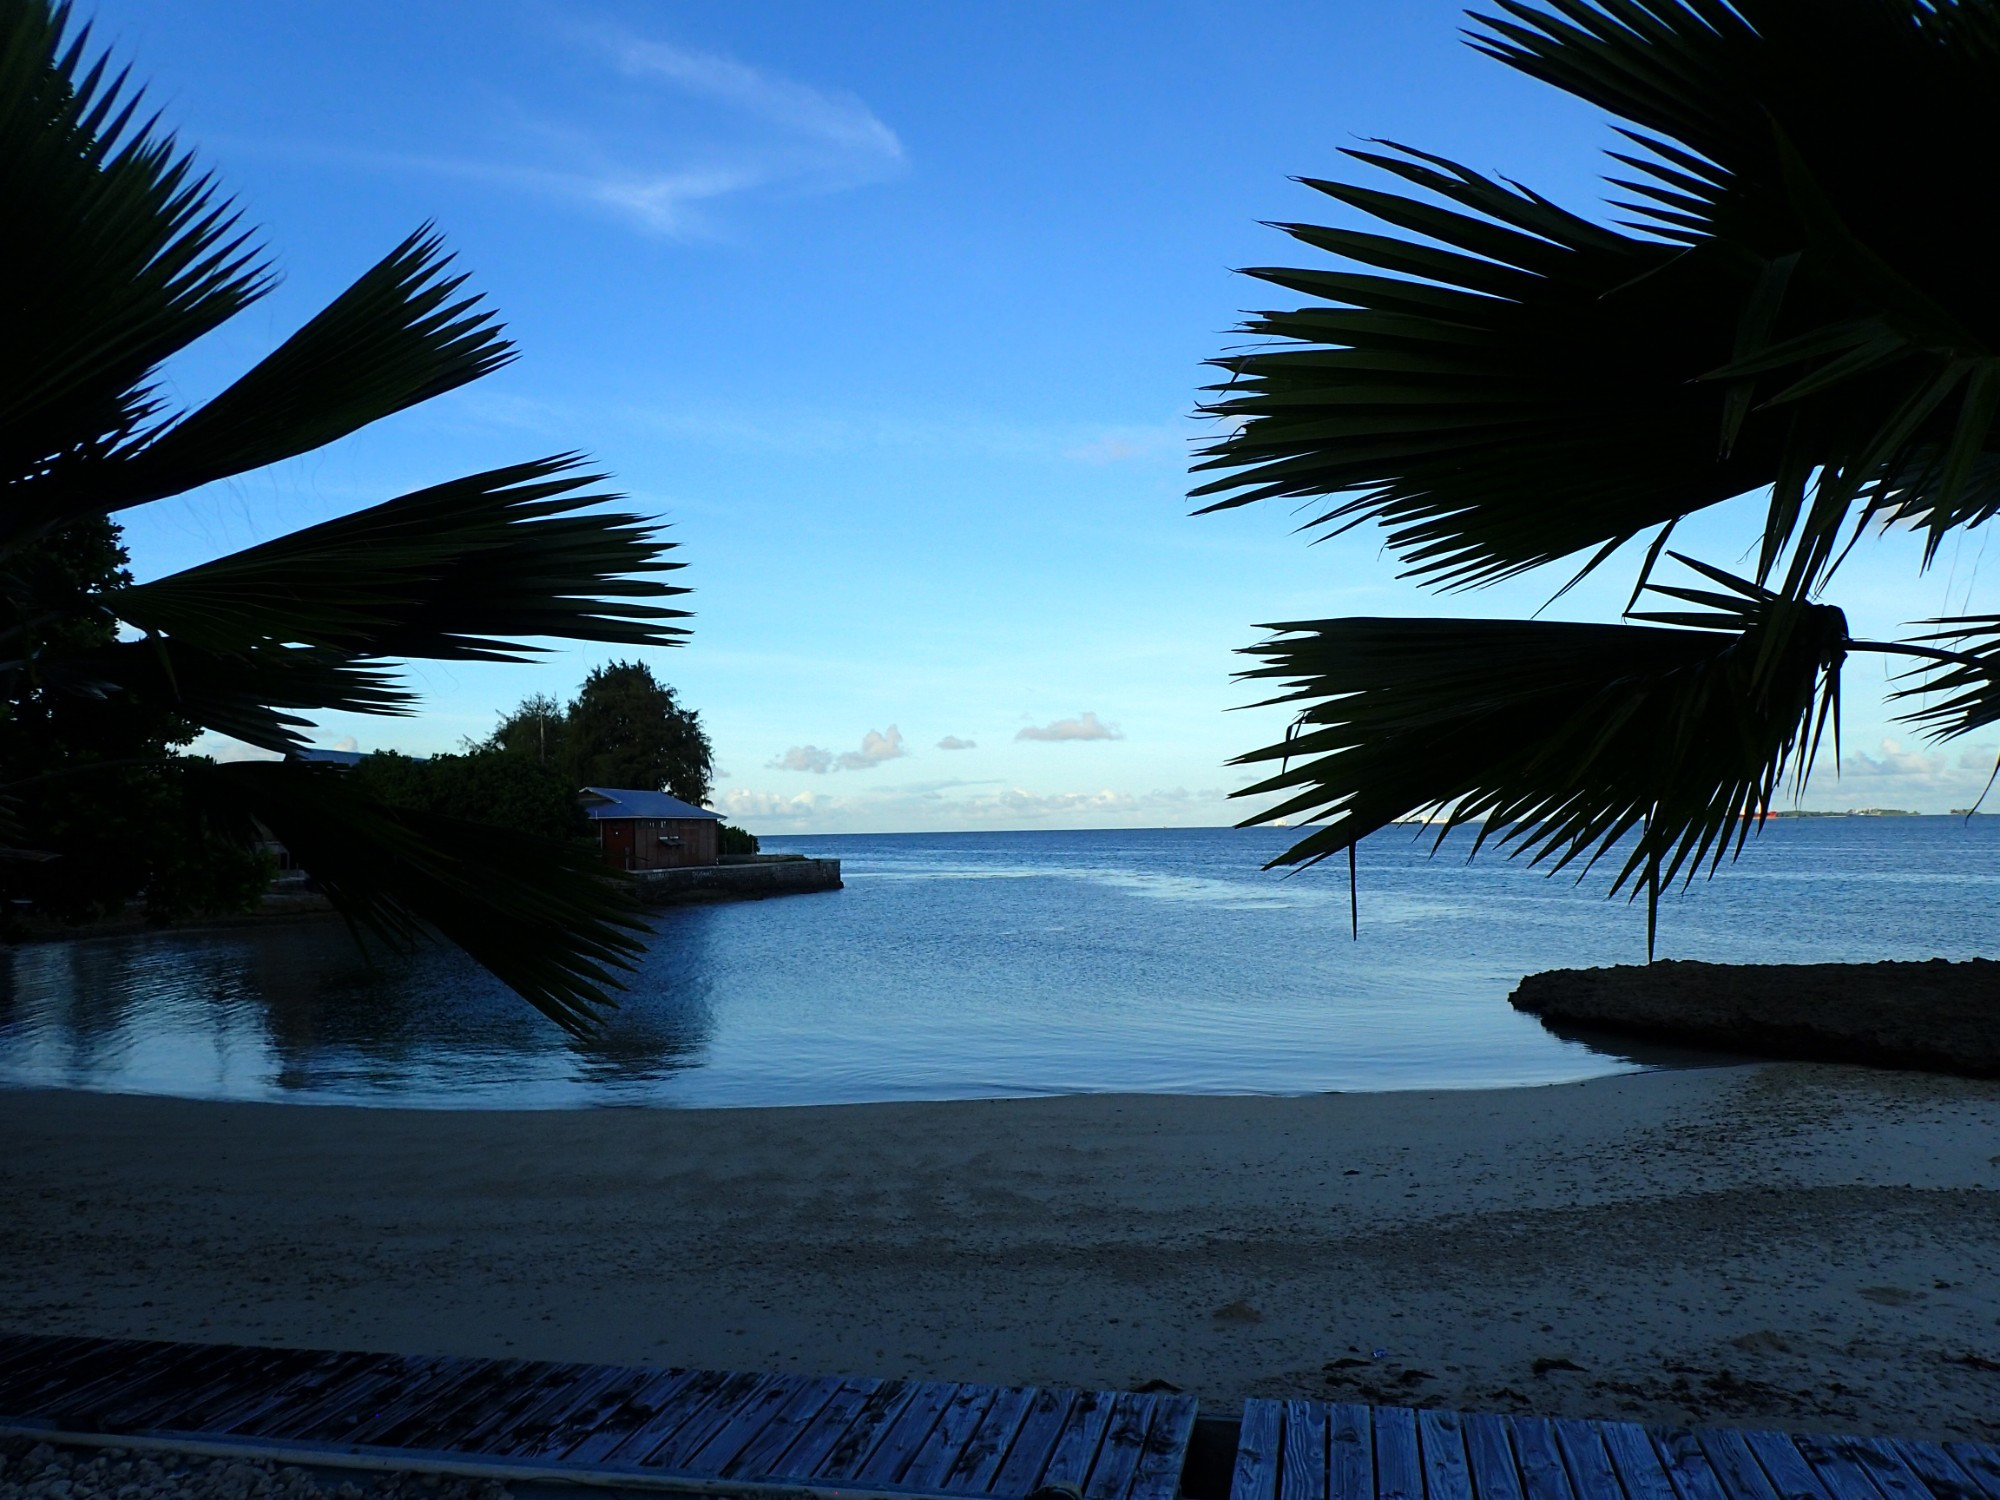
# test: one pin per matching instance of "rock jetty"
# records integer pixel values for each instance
(1935, 1016)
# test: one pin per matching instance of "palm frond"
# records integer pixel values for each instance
(118, 251)
(1486, 414)
(542, 915)
(1964, 679)
(1559, 741)
(244, 694)
(1527, 385)
(398, 336)
(458, 572)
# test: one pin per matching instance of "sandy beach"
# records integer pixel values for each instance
(1813, 1247)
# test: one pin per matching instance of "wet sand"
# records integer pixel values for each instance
(1781, 1244)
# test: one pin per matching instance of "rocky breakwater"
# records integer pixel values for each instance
(1936, 1016)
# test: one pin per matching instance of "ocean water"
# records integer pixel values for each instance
(984, 964)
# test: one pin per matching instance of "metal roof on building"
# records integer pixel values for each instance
(614, 802)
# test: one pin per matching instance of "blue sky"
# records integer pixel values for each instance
(896, 313)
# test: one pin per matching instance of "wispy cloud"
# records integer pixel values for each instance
(1084, 726)
(876, 748)
(667, 135)
(953, 742)
(804, 758)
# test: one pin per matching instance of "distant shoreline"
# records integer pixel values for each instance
(1778, 1245)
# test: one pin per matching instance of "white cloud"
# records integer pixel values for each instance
(1930, 781)
(875, 749)
(953, 742)
(1084, 727)
(804, 758)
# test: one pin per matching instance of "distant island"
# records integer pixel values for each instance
(1874, 812)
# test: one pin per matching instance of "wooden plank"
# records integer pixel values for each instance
(1590, 1471)
(327, 1401)
(559, 1428)
(1881, 1463)
(672, 1455)
(1157, 1476)
(1980, 1461)
(186, 1406)
(1790, 1475)
(721, 1450)
(34, 1354)
(1543, 1476)
(767, 1450)
(875, 1416)
(904, 1438)
(1302, 1452)
(502, 1418)
(956, 1424)
(646, 1418)
(810, 1448)
(1490, 1456)
(1692, 1475)
(1046, 1419)
(1735, 1465)
(1940, 1473)
(1399, 1468)
(972, 1472)
(1447, 1476)
(1259, 1451)
(442, 1425)
(1124, 1443)
(1636, 1461)
(39, 1393)
(1836, 1468)
(174, 1368)
(1082, 1434)
(426, 1401)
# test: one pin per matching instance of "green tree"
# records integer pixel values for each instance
(107, 814)
(1800, 301)
(534, 730)
(120, 254)
(625, 728)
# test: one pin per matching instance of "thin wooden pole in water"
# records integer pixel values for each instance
(1353, 899)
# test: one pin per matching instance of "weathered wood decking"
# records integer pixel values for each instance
(713, 1431)
(1317, 1450)
(709, 1428)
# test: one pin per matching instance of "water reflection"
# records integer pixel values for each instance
(301, 1008)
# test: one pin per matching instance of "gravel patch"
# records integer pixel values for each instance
(31, 1470)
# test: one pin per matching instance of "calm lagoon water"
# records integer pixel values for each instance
(979, 964)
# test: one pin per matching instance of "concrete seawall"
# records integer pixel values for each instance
(749, 880)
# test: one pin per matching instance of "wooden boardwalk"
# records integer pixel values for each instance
(694, 1429)
(1318, 1450)
(715, 1432)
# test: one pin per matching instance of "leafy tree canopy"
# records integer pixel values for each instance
(624, 728)
(1797, 301)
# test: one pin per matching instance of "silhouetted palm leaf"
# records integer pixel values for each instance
(538, 913)
(1801, 302)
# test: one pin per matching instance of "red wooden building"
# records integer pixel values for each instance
(652, 831)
